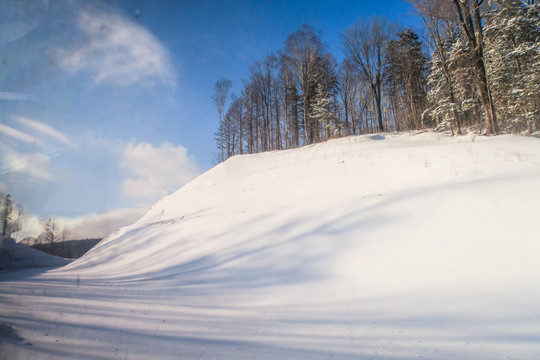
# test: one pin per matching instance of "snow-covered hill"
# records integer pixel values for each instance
(382, 246)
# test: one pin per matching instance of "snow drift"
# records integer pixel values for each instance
(381, 246)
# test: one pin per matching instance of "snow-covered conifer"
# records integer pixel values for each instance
(513, 53)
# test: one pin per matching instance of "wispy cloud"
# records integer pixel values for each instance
(34, 164)
(13, 96)
(33, 161)
(16, 134)
(44, 129)
(156, 171)
(117, 51)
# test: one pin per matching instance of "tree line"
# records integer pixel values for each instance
(478, 67)
(13, 220)
(54, 238)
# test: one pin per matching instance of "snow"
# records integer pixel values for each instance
(389, 246)
(14, 255)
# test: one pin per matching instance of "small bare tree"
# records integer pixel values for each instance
(51, 229)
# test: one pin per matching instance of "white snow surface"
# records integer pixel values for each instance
(390, 246)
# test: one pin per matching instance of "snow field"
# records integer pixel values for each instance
(384, 246)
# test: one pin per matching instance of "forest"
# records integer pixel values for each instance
(476, 67)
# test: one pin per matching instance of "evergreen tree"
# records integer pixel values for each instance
(466, 92)
(6, 216)
(11, 216)
(323, 112)
(439, 95)
(513, 54)
(323, 107)
(438, 17)
(405, 79)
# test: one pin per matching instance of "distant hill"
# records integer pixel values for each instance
(70, 249)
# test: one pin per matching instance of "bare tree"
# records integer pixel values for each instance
(290, 100)
(264, 78)
(51, 229)
(236, 115)
(348, 90)
(222, 88)
(249, 116)
(364, 45)
(470, 19)
(64, 235)
(302, 51)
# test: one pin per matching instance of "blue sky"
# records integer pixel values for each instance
(106, 106)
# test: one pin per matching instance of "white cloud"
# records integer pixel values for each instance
(32, 227)
(118, 51)
(85, 227)
(16, 134)
(44, 129)
(156, 171)
(100, 225)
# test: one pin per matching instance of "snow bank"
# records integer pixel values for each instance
(382, 246)
(14, 255)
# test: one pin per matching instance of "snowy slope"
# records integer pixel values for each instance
(384, 246)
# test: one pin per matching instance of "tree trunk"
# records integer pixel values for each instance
(306, 130)
(378, 100)
(473, 31)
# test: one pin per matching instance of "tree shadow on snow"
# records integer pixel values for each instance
(377, 137)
